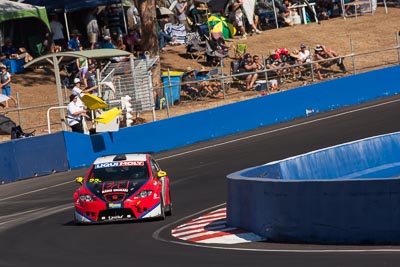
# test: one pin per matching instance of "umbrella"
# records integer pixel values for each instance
(218, 23)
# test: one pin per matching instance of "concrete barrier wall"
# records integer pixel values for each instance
(346, 194)
(226, 120)
(33, 156)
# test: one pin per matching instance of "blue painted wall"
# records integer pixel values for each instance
(39, 155)
(347, 194)
(179, 131)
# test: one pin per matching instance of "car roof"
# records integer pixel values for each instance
(119, 157)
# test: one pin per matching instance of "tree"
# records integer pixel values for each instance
(148, 15)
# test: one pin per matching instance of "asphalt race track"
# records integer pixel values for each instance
(36, 226)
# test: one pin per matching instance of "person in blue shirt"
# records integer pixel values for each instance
(73, 43)
(108, 43)
(8, 49)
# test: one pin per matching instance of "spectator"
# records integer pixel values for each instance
(163, 37)
(114, 18)
(274, 63)
(305, 57)
(90, 81)
(57, 31)
(212, 87)
(76, 114)
(82, 63)
(8, 49)
(92, 28)
(181, 8)
(107, 42)
(321, 52)
(259, 66)
(189, 82)
(133, 17)
(48, 44)
(133, 41)
(249, 68)
(73, 43)
(236, 17)
(5, 80)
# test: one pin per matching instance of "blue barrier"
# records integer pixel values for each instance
(33, 156)
(347, 194)
(184, 130)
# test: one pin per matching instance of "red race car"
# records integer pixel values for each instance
(122, 187)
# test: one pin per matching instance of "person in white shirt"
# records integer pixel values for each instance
(75, 114)
(57, 29)
(305, 57)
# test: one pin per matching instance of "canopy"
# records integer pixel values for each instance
(55, 59)
(71, 5)
(13, 10)
(220, 24)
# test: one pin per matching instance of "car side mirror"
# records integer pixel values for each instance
(161, 174)
(79, 180)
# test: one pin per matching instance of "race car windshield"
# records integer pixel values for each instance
(120, 173)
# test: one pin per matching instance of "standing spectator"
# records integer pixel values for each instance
(181, 8)
(133, 17)
(236, 16)
(57, 31)
(73, 44)
(92, 28)
(82, 63)
(90, 81)
(5, 80)
(114, 22)
(76, 114)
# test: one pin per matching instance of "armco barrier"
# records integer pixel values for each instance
(347, 194)
(229, 119)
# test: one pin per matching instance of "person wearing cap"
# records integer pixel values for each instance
(212, 87)
(321, 52)
(189, 83)
(249, 68)
(75, 114)
(73, 43)
(5, 79)
(305, 57)
(107, 42)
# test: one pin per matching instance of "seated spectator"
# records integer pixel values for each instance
(321, 52)
(9, 51)
(324, 9)
(212, 87)
(274, 63)
(118, 44)
(189, 82)
(259, 66)
(293, 60)
(248, 67)
(107, 42)
(305, 57)
(163, 37)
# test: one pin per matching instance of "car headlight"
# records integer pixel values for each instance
(144, 193)
(86, 198)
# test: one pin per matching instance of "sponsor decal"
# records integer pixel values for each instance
(117, 217)
(114, 205)
(118, 164)
(115, 187)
